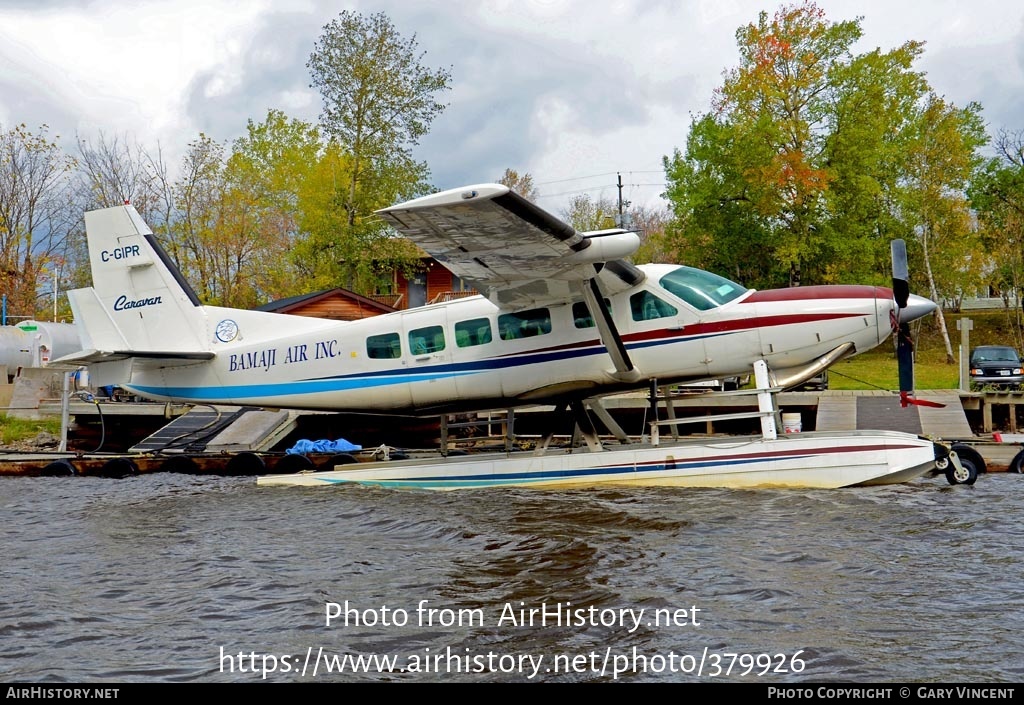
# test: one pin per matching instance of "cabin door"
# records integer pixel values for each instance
(429, 343)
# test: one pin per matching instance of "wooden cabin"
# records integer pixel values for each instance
(431, 284)
(338, 304)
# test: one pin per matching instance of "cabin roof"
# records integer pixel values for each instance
(293, 302)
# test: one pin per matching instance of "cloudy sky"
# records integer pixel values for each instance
(570, 92)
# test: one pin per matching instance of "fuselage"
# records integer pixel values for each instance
(468, 354)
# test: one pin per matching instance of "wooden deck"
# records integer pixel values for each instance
(838, 411)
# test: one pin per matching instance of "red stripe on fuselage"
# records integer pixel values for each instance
(814, 293)
(792, 294)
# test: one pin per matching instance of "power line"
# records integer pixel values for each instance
(594, 176)
(597, 188)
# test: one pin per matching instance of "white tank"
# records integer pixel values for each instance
(34, 343)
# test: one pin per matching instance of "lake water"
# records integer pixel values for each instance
(175, 578)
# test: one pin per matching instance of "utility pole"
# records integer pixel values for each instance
(620, 198)
(966, 325)
(622, 218)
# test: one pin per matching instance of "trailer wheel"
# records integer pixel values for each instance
(1017, 463)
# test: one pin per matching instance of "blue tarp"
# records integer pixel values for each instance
(322, 446)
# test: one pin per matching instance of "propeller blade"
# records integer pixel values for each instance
(901, 327)
(905, 357)
(900, 273)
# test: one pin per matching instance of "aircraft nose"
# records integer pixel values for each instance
(917, 306)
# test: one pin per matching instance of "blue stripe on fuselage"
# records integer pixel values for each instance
(366, 380)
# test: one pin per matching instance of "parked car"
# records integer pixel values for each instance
(995, 366)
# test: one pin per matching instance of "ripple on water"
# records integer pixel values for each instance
(146, 578)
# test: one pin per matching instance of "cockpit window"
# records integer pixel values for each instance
(702, 290)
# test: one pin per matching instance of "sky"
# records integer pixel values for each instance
(575, 94)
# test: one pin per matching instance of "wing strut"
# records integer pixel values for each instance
(624, 369)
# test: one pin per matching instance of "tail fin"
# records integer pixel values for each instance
(139, 304)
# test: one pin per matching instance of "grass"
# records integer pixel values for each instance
(877, 369)
(14, 429)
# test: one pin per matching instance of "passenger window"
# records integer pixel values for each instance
(524, 324)
(645, 306)
(473, 332)
(581, 314)
(424, 341)
(384, 347)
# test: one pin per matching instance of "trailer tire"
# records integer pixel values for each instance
(1017, 463)
(293, 463)
(118, 468)
(58, 468)
(245, 464)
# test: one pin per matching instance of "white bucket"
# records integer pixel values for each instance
(791, 423)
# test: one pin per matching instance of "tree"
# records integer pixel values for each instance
(523, 185)
(269, 169)
(116, 170)
(941, 157)
(378, 101)
(787, 178)
(35, 213)
(997, 196)
(584, 213)
(650, 223)
(113, 171)
(197, 194)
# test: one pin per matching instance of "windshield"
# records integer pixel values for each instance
(702, 290)
(995, 354)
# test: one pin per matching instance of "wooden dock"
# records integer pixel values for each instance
(248, 444)
(839, 411)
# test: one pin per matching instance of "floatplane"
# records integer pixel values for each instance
(563, 318)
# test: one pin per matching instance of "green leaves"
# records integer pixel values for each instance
(803, 169)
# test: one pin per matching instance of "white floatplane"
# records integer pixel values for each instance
(563, 319)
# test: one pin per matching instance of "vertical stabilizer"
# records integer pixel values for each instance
(139, 300)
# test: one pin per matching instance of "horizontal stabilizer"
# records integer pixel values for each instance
(170, 358)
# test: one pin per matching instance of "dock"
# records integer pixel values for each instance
(248, 440)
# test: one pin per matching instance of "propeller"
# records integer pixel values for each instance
(901, 327)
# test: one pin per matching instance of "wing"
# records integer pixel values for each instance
(513, 252)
